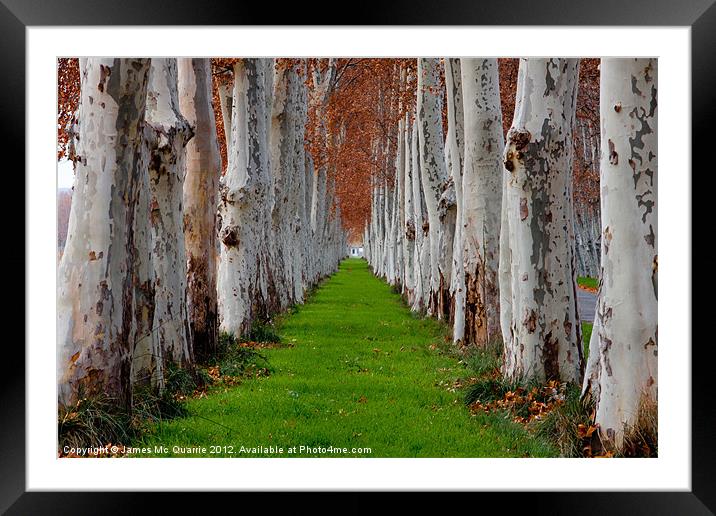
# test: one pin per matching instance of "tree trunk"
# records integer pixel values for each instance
(203, 169)
(456, 145)
(147, 355)
(447, 215)
(422, 230)
(95, 321)
(226, 101)
(309, 242)
(282, 161)
(300, 192)
(482, 198)
(318, 214)
(388, 198)
(434, 178)
(170, 132)
(399, 208)
(409, 227)
(243, 202)
(621, 374)
(393, 242)
(544, 335)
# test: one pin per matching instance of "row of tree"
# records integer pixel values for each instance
(480, 229)
(163, 251)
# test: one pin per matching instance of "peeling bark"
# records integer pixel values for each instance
(203, 169)
(622, 371)
(422, 236)
(95, 319)
(542, 340)
(436, 189)
(169, 133)
(147, 355)
(456, 146)
(282, 161)
(299, 193)
(242, 204)
(482, 191)
(409, 235)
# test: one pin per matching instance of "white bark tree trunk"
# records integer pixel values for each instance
(147, 355)
(309, 242)
(373, 226)
(388, 198)
(544, 335)
(381, 227)
(409, 228)
(505, 264)
(482, 198)
(382, 200)
(399, 207)
(322, 82)
(226, 101)
(95, 320)
(243, 202)
(282, 161)
(297, 193)
(203, 169)
(434, 179)
(392, 240)
(170, 132)
(456, 145)
(621, 374)
(422, 231)
(318, 213)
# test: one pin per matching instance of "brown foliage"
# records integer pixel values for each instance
(534, 403)
(508, 90)
(367, 99)
(354, 132)
(68, 100)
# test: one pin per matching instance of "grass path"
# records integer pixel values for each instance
(364, 374)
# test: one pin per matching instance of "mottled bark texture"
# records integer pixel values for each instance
(242, 204)
(408, 216)
(147, 368)
(169, 132)
(587, 230)
(482, 194)
(422, 230)
(95, 319)
(542, 339)
(282, 161)
(203, 169)
(399, 208)
(298, 194)
(621, 376)
(455, 144)
(438, 191)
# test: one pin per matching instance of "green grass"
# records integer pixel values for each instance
(586, 281)
(586, 335)
(364, 373)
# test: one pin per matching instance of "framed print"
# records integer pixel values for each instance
(379, 256)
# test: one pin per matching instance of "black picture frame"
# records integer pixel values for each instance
(16, 15)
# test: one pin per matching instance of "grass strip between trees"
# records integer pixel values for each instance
(351, 373)
(588, 283)
(355, 372)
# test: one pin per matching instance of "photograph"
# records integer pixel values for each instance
(417, 251)
(357, 257)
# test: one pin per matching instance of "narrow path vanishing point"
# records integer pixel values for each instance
(364, 374)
